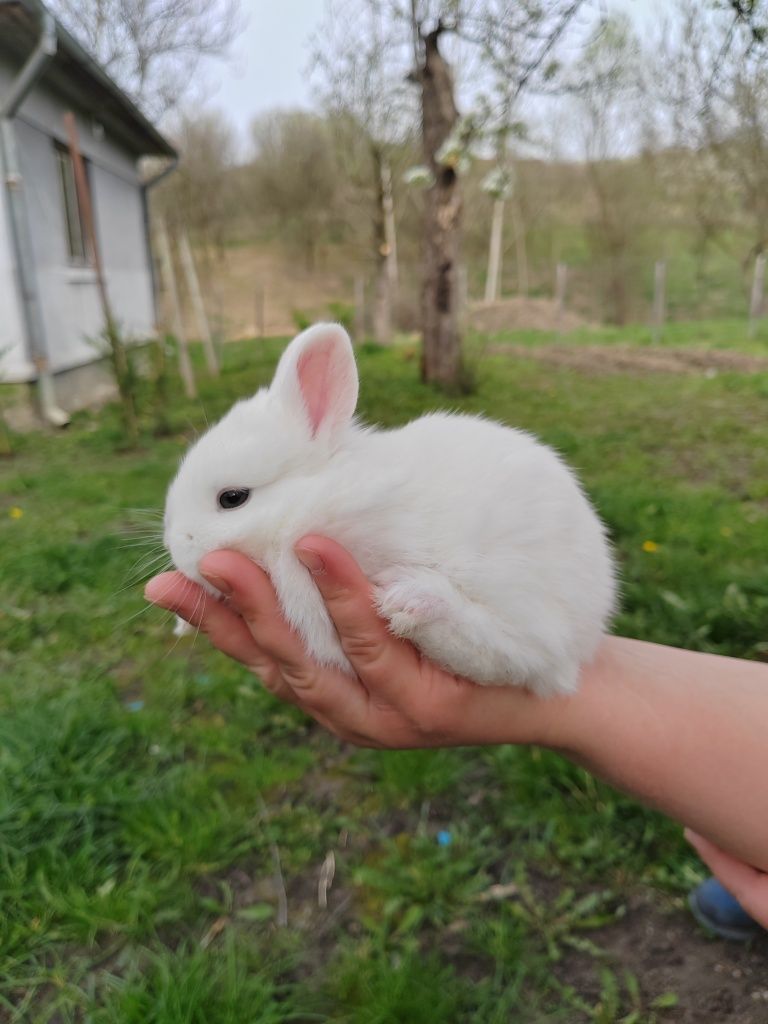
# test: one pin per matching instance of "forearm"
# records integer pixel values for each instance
(682, 731)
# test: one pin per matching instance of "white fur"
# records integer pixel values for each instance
(483, 548)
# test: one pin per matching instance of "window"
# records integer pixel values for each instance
(78, 249)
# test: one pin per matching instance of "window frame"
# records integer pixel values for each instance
(75, 235)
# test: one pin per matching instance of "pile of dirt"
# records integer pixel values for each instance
(610, 359)
(520, 314)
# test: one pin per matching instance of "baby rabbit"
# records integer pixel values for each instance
(483, 550)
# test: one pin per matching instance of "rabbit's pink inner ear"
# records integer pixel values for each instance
(328, 384)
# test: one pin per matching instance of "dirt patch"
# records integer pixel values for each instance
(610, 359)
(521, 315)
(255, 290)
(715, 981)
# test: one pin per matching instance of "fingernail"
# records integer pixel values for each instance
(312, 560)
(220, 584)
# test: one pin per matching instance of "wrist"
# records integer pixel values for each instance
(567, 723)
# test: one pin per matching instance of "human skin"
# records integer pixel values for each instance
(682, 731)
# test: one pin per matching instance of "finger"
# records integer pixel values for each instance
(329, 694)
(745, 883)
(222, 625)
(385, 664)
(251, 593)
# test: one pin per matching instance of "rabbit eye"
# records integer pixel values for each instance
(233, 497)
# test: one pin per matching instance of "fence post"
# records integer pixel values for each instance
(493, 274)
(659, 299)
(260, 310)
(756, 299)
(169, 280)
(193, 287)
(561, 287)
(359, 309)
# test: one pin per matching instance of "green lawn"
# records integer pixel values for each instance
(149, 788)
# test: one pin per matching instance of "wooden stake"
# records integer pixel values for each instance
(169, 281)
(261, 301)
(659, 299)
(390, 232)
(494, 252)
(193, 287)
(756, 299)
(561, 287)
(359, 310)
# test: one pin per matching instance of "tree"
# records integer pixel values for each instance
(294, 178)
(362, 88)
(608, 89)
(753, 14)
(531, 31)
(517, 42)
(717, 93)
(152, 48)
(202, 195)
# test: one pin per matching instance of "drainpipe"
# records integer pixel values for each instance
(37, 347)
(146, 186)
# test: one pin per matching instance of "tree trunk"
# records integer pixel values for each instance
(441, 355)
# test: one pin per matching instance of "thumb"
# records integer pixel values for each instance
(384, 664)
(745, 883)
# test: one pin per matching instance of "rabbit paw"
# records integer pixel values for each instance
(407, 606)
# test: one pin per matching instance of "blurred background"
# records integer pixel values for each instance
(618, 141)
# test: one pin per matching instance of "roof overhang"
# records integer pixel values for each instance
(74, 75)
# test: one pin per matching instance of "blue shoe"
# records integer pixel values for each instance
(719, 912)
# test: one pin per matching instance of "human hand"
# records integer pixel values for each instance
(746, 884)
(398, 699)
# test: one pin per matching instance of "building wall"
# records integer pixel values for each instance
(70, 300)
(14, 365)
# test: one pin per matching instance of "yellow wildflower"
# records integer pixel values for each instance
(726, 531)
(16, 512)
(650, 546)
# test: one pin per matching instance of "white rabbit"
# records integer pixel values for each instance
(483, 549)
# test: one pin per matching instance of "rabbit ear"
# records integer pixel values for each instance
(317, 377)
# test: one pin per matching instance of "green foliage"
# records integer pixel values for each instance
(382, 989)
(228, 986)
(343, 314)
(301, 320)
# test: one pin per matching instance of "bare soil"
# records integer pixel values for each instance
(518, 314)
(250, 291)
(716, 982)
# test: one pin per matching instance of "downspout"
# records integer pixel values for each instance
(36, 343)
(150, 183)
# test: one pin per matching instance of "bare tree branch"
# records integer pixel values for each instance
(152, 48)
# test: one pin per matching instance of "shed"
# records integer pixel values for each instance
(50, 314)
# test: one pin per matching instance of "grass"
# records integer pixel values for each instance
(147, 786)
(720, 334)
